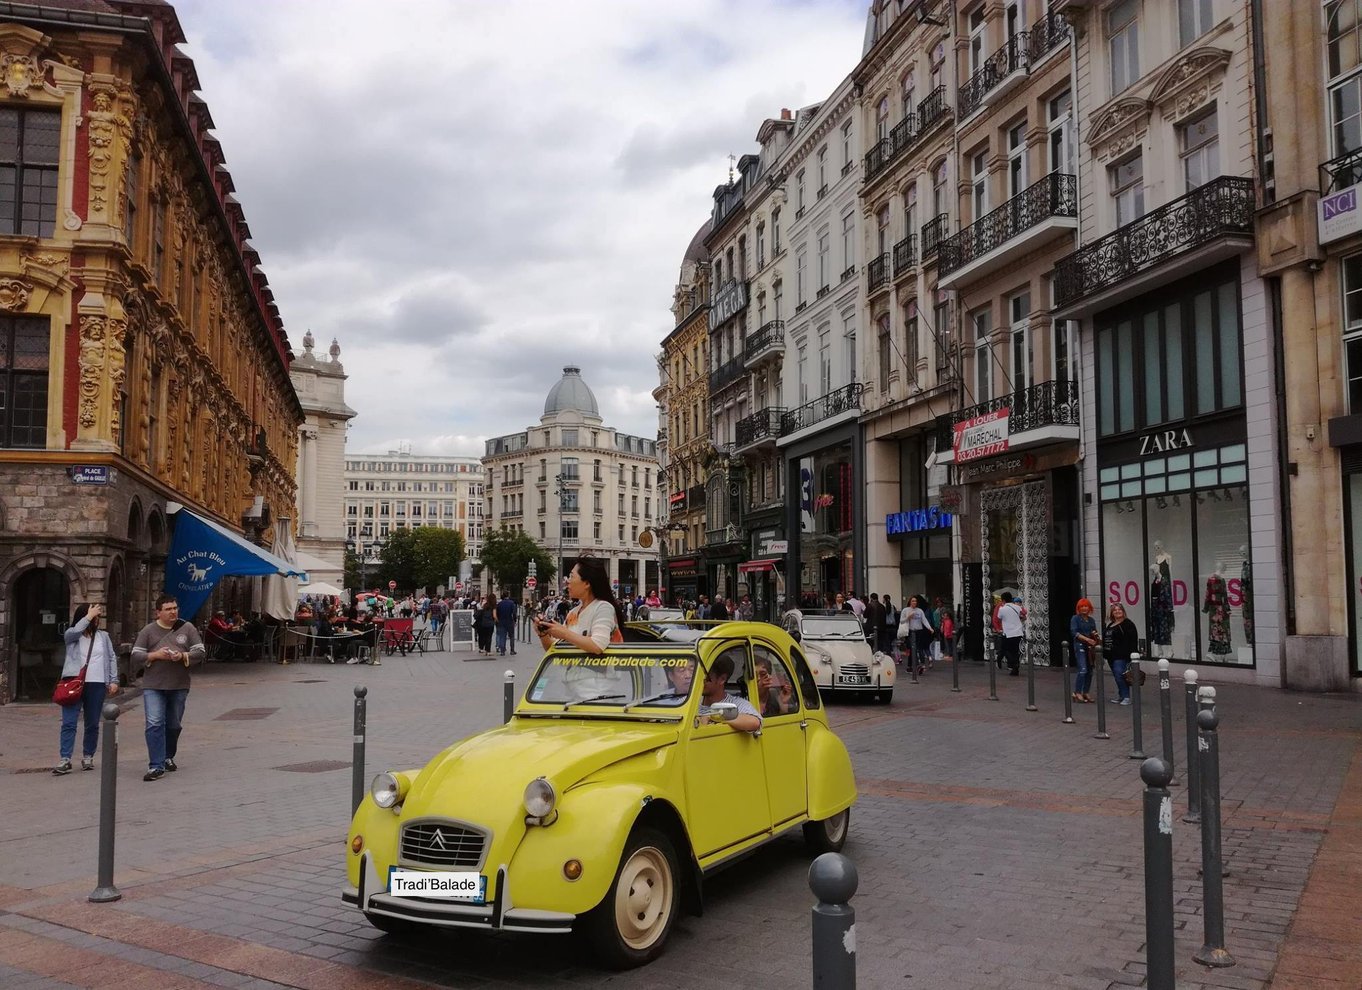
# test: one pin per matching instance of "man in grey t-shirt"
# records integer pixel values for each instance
(167, 646)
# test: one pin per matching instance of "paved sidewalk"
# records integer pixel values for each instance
(997, 848)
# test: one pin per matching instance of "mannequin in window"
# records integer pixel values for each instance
(1216, 605)
(1246, 592)
(1161, 620)
(1164, 561)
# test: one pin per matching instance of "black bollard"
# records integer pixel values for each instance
(1212, 951)
(1030, 678)
(1158, 874)
(955, 671)
(508, 696)
(108, 798)
(357, 759)
(833, 880)
(1136, 721)
(1095, 658)
(1193, 815)
(912, 656)
(992, 666)
(1166, 720)
(1068, 718)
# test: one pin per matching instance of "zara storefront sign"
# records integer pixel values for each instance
(1339, 214)
(730, 301)
(1164, 441)
(916, 520)
(981, 436)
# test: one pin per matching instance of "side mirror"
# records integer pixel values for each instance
(726, 710)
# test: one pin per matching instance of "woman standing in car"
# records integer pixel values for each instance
(596, 622)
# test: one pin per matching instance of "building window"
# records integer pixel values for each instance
(23, 381)
(1016, 159)
(882, 235)
(801, 263)
(1344, 19)
(596, 530)
(1194, 20)
(822, 169)
(569, 530)
(979, 186)
(884, 350)
(911, 350)
(761, 246)
(981, 322)
(570, 501)
(158, 241)
(29, 143)
(940, 200)
(846, 144)
(943, 338)
(824, 278)
(802, 370)
(1123, 47)
(799, 193)
(1200, 145)
(1019, 314)
(1060, 114)
(775, 232)
(569, 437)
(848, 234)
(849, 339)
(130, 201)
(977, 26)
(882, 119)
(1352, 329)
(1127, 189)
(938, 64)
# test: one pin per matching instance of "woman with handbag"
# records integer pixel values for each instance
(484, 623)
(1120, 639)
(89, 674)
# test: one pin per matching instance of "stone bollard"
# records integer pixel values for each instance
(357, 757)
(1068, 718)
(1099, 675)
(1158, 874)
(833, 880)
(508, 696)
(1136, 720)
(1212, 951)
(1193, 815)
(1166, 720)
(105, 890)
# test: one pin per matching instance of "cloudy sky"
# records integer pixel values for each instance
(471, 195)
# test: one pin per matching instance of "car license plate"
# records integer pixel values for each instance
(853, 678)
(440, 886)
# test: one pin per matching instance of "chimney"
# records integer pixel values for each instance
(785, 114)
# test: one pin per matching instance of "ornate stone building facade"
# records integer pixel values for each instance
(321, 522)
(142, 359)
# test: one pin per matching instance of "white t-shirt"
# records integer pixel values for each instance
(1010, 615)
(596, 620)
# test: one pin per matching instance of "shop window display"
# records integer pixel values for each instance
(1226, 578)
(826, 537)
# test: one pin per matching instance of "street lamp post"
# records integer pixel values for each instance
(363, 547)
(561, 491)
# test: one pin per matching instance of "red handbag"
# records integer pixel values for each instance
(69, 689)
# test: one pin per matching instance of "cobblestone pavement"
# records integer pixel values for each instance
(997, 848)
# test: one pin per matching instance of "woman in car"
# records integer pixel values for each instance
(596, 622)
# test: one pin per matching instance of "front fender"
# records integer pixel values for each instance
(379, 828)
(594, 822)
(832, 783)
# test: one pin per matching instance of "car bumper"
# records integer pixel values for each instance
(499, 913)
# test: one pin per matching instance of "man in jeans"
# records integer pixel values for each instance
(506, 612)
(1013, 619)
(167, 645)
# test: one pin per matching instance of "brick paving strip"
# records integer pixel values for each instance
(1323, 947)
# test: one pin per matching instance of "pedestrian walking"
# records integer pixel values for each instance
(917, 629)
(874, 621)
(1083, 633)
(484, 623)
(506, 613)
(718, 612)
(89, 655)
(1012, 619)
(596, 622)
(890, 630)
(1120, 639)
(167, 646)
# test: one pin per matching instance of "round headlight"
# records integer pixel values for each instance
(385, 790)
(540, 798)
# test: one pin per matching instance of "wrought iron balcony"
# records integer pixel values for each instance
(1221, 208)
(1056, 195)
(1341, 172)
(1010, 58)
(823, 291)
(933, 233)
(824, 407)
(851, 270)
(760, 427)
(901, 137)
(767, 342)
(727, 374)
(1046, 34)
(931, 111)
(905, 255)
(847, 167)
(822, 190)
(878, 158)
(1046, 404)
(877, 273)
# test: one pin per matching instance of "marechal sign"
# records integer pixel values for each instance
(981, 436)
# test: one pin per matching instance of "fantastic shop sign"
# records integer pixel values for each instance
(917, 520)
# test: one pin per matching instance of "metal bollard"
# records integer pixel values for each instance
(1212, 951)
(508, 696)
(1030, 679)
(357, 759)
(833, 879)
(1193, 815)
(1158, 874)
(1136, 721)
(1095, 658)
(1068, 718)
(955, 671)
(105, 890)
(1166, 720)
(992, 666)
(912, 656)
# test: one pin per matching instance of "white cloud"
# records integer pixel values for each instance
(470, 195)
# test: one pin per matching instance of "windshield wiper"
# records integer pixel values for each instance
(599, 697)
(656, 697)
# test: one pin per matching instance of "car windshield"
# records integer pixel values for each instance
(831, 627)
(620, 678)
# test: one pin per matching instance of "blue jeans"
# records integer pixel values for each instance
(165, 711)
(505, 634)
(1083, 683)
(91, 701)
(1118, 671)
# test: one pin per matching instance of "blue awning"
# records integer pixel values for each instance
(202, 552)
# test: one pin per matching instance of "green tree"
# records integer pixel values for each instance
(437, 553)
(399, 560)
(507, 554)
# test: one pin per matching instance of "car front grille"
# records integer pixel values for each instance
(853, 668)
(443, 843)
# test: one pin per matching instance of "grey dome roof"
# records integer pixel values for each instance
(571, 393)
(696, 250)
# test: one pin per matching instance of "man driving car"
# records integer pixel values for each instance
(715, 690)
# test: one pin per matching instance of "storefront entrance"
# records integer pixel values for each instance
(1015, 539)
(42, 611)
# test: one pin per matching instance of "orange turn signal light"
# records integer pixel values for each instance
(357, 843)
(572, 869)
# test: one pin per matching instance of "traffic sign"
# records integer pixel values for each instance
(392, 585)
(534, 568)
(531, 582)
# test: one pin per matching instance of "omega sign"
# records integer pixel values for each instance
(730, 301)
(981, 436)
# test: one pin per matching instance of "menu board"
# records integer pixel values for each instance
(458, 630)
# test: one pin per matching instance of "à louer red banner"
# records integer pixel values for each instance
(981, 436)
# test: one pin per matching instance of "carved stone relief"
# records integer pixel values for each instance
(14, 294)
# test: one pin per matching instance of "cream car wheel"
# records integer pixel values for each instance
(631, 924)
(829, 834)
